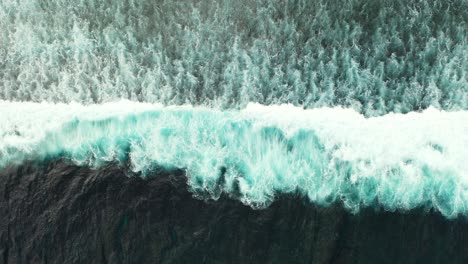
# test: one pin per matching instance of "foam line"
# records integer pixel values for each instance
(397, 161)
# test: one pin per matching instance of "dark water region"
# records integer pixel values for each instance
(55, 212)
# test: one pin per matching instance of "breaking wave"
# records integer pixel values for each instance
(396, 161)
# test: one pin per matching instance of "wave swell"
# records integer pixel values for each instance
(328, 155)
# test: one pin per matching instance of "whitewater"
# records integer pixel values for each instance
(376, 57)
(327, 155)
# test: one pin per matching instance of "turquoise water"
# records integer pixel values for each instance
(329, 154)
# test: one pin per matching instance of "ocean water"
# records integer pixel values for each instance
(373, 56)
(397, 161)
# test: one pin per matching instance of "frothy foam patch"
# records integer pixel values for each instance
(331, 154)
(373, 56)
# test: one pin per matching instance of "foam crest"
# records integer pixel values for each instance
(330, 154)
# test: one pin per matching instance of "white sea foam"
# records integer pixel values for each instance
(398, 161)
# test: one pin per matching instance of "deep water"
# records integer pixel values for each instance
(57, 212)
